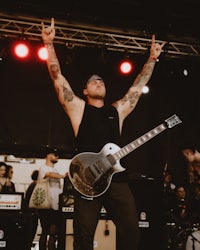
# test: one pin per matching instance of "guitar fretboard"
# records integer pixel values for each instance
(138, 142)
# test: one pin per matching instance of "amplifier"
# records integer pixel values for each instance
(15, 230)
(143, 223)
(101, 240)
(71, 210)
(11, 201)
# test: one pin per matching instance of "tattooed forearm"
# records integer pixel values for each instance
(131, 97)
(52, 62)
(68, 94)
(64, 92)
(54, 70)
(145, 74)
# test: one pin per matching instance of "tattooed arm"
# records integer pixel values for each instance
(127, 104)
(72, 104)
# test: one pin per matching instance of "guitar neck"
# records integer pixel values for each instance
(138, 142)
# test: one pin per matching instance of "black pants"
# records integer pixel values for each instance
(51, 225)
(120, 205)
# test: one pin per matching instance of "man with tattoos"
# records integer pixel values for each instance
(95, 124)
(191, 155)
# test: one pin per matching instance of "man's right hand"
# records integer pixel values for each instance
(48, 33)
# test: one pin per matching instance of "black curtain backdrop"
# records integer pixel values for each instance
(32, 118)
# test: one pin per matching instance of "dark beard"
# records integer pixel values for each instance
(54, 161)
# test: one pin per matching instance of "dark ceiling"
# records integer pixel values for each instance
(178, 18)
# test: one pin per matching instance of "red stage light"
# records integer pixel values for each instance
(21, 50)
(42, 53)
(126, 67)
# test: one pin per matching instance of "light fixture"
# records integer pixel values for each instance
(13, 159)
(20, 49)
(42, 53)
(126, 67)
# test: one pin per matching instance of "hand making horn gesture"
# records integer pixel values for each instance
(156, 48)
(48, 33)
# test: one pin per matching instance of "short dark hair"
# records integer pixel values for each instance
(34, 175)
(188, 145)
(54, 151)
(90, 78)
(8, 167)
(3, 164)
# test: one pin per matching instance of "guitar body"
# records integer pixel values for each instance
(91, 173)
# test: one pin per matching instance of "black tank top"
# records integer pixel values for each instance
(98, 127)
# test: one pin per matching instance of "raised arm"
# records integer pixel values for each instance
(71, 103)
(127, 104)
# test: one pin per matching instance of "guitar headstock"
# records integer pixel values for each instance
(172, 121)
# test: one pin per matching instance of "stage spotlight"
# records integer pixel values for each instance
(185, 72)
(20, 49)
(42, 53)
(145, 90)
(126, 67)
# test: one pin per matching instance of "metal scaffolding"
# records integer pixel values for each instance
(81, 35)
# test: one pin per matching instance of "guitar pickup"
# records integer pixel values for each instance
(111, 159)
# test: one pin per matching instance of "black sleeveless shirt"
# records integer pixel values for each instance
(98, 127)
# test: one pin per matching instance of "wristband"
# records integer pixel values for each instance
(48, 44)
(154, 58)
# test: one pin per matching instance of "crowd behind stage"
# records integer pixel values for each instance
(6, 174)
(181, 201)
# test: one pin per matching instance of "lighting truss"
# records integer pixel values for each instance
(90, 36)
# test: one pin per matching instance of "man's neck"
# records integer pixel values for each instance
(49, 163)
(96, 102)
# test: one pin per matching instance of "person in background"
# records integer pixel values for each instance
(169, 186)
(180, 212)
(168, 191)
(50, 219)
(10, 186)
(3, 178)
(194, 205)
(95, 124)
(191, 155)
(33, 212)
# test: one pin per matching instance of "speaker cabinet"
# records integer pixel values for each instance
(15, 230)
(102, 240)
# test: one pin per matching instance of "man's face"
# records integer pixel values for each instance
(188, 155)
(54, 158)
(95, 88)
(181, 193)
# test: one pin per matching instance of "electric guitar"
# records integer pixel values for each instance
(91, 173)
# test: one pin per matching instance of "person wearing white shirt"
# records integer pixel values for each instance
(50, 219)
